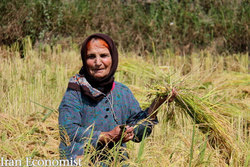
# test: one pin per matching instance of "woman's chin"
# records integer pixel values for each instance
(99, 76)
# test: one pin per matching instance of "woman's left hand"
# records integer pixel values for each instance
(173, 95)
(158, 102)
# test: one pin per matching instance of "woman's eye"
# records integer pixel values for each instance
(104, 55)
(91, 56)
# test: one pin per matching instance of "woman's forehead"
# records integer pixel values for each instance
(97, 48)
(97, 42)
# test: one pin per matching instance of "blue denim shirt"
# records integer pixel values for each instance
(80, 118)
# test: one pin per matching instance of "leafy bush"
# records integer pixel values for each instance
(182, 25)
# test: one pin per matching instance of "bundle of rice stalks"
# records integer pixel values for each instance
(200, 102)
(207, 117)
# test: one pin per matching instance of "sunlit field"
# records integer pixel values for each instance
(207, 125)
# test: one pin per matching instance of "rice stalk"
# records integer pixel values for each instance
(192, 146)
(209, 110)
(209, 120)
(141, 148)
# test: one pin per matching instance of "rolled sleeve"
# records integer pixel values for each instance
(138, 119)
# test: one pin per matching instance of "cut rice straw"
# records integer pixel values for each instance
(209, 115)
(209, 121)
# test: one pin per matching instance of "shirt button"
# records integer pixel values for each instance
(107, 109)
(106, 116)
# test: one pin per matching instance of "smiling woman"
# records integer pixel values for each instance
(98, 110)
(98, 58)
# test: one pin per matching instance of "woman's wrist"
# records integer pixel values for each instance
(104, 137)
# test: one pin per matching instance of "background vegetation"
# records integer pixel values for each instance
(181, 25)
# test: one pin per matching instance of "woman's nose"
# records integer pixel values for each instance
(98, 61)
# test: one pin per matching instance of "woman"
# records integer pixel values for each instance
(97, 109)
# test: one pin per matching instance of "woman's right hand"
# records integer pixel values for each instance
(115, 135)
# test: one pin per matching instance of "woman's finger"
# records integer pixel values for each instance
(128, 137)
(174, 93)
(129, 129)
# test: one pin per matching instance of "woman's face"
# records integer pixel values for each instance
(98, 59)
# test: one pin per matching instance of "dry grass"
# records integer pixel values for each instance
(43, 75)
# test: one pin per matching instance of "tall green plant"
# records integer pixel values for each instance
(178, 25)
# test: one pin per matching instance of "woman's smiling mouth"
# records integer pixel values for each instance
(100, 69)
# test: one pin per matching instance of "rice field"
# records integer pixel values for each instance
(207, 125)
